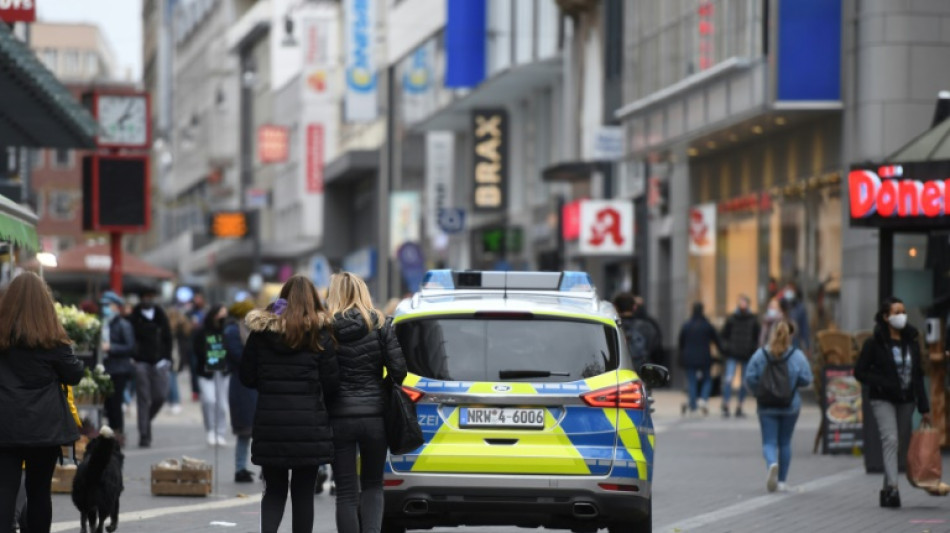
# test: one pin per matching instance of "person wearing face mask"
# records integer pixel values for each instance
(118, 343)
(740, 336)
(773, 315)
(153, 358)
(795, 311)
(890, 367)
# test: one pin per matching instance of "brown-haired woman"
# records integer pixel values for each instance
(36, 360)
(291, 360)
(778, 411)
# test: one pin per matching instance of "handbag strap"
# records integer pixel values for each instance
(383, 346)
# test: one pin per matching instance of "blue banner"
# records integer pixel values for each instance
(809, 50)
(465, 43)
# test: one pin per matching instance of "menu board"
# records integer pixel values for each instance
(841, 406)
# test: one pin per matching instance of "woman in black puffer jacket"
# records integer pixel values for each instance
(357, 411)
(290, 359)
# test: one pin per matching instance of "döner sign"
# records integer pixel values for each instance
(870, 195)
(491, 158)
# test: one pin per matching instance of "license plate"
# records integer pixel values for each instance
(501, 417)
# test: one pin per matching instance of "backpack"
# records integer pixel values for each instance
(775, 386)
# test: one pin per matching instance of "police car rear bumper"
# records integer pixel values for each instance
(432, 500)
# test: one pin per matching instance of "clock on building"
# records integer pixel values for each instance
(123, 120)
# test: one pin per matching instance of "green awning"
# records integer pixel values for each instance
(35, 108)
(18, 224)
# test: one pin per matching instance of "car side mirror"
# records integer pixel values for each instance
(654, 375)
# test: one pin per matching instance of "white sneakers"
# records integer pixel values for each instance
(220, 441)
(771, 482)
(783, 487)
(216, 440)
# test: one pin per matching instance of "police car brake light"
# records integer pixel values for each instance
(627, 395)
(414, 394)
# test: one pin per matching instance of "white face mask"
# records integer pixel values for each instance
(789, 294)
(897, 321)
(773, 313)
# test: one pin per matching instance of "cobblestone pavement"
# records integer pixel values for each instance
(709, 477)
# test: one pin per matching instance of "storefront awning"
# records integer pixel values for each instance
(35, 108)
(932, 145)
(18, 224)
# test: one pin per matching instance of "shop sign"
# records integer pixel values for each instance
(702, 230)
(843, 429)
(314, 151)
(607, 143)
(272, 144)
(18, 10)
(440, 164)
(607, 227)
(915, 194)
(319, 50)
(229, 225)
(749, 202)
(405, 213)
(571, 220)
(498, 240)
(490, 128)
(360, 103)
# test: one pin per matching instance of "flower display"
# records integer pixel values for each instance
(82, 328)
(95, 386)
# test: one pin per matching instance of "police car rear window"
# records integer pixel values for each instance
(537, 350)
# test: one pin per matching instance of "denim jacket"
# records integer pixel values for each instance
(799, 372)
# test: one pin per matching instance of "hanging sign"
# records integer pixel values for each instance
(17, 10)
(490, 129)
(900, 195)
(360, 104)
(606, 227)
(702, 230)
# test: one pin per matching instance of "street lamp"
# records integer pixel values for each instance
(46, 260)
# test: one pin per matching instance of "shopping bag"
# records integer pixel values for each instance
(924, 463)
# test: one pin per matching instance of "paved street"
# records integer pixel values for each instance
(709, 477)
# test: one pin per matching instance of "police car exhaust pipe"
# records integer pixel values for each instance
(416, 507)
(584, 510)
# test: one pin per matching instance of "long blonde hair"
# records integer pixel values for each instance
(780, 339)
(348, 291)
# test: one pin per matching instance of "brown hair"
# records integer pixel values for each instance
(304, 316)
(27, 316)
(780, 339)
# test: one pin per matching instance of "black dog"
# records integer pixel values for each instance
(98, 483)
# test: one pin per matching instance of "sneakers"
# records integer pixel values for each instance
(783, 487)
(725, 411)
(220, 440)
(211, 438)
(739, 413)
(890, 497)
(771, 482)
(244, 476)
(703, 407)
(174, 409)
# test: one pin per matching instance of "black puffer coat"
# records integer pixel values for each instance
(361, 366)
(32, 401)
(291, 424)
(877, 370)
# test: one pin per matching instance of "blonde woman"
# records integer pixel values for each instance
(356, 413)
(778, 403)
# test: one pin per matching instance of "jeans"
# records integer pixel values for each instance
(698, 385)
(174, 396)
(151, 386)
(40, 463)
(894, 421)
(241, 451)
(359, 502)
(113, 403)
(302, 486)
(777, 433)
(214, 403)
(727, 377)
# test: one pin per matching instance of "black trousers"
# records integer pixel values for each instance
(301, 481)
(40, 463)
(114, 403)
(359, 497)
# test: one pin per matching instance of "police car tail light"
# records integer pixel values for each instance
(625, 396)
(414, 394)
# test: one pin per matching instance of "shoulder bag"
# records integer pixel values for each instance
(403, 433)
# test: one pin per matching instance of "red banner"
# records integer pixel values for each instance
(272, 144)
(18, 10)
(315, 158)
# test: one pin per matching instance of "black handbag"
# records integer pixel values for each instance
(403, 433)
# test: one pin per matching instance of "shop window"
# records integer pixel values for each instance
(63, 205)
(71, 62)
(36, 158)
(913, 279)
(63, 158)
(49, 58)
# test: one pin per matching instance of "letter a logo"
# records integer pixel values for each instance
(607, 224)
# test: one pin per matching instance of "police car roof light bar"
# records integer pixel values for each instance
(447, 280)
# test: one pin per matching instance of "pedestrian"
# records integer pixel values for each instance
(36, 363)
(773, 315)
(740, 338)
(794, 307)
(695, 342)
(213, 374)
(890, 367)
(119, 347)
(777, 418)
(153, 359)
(637, 333)
(291, 361)
(197, 316)
(365, 345)
(654, 331)
(181, 332)
(242, 400)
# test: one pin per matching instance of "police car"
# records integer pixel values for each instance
(532, 412)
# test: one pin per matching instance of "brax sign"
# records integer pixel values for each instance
(895, 195)
(490, 128)
(18, 10)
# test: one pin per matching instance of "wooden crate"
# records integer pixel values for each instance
(63, 479)
(181, 482)
(80, 449)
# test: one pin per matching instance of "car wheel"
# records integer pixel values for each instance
(642, 525)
